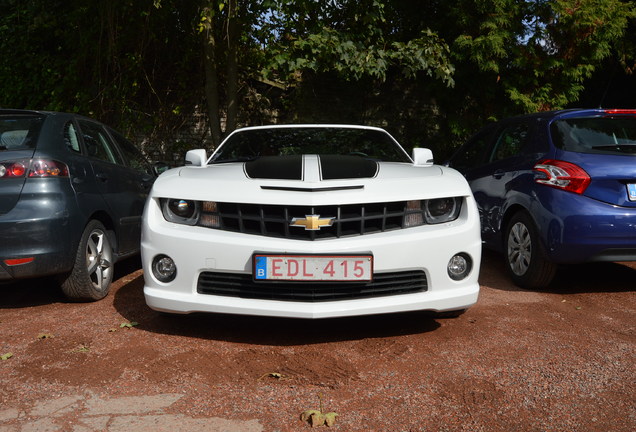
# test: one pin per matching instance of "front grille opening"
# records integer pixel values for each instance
(348, 220)
(243, 286)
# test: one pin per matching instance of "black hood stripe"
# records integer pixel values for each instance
(276, 167)
(332, 167)
(335, 167)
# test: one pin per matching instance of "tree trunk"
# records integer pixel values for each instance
(232, 67)
(212, 84)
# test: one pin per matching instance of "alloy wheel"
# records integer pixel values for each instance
(99, 259)
(519, 249)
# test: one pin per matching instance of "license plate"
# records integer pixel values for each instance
(313, 267)
(631, 191)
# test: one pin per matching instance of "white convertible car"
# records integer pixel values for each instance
(310, 221)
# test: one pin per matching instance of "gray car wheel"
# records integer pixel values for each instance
(526, 259)
(93, 270)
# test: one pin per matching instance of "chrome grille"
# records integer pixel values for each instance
(243, 286)
(274, 220)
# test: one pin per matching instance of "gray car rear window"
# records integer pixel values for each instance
(604, 135)
(18, 132)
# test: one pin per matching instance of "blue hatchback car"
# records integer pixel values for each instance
(72, 192)
(554, 188)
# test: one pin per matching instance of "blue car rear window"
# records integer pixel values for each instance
(18, 132)
(605, 135)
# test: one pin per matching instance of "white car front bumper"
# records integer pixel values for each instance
(195, 250)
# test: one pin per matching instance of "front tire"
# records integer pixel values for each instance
(526, 259)
(93, 269)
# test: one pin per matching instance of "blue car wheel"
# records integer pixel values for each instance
(525, 257)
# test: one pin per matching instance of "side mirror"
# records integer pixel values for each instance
(196, 157)
(422, 157)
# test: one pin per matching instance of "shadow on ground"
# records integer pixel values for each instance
(129, 302)
(570, 279)
(43, 291)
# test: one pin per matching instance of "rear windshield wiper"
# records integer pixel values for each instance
(623, 148)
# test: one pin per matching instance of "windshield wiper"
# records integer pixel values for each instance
(623, 148)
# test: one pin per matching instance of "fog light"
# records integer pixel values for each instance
(459, 266)
(164, 268)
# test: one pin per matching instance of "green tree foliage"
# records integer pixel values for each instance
(518, 56)
(431, 72)
(124, 62)
(537, 53)
(356, 39)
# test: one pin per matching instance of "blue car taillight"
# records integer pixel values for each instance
(562, 175)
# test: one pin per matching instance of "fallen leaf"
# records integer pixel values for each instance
(307, 414)
(128, 324)
(272, 375)
(6, 356)
(330, 418)
(83, 349)
(317, 419)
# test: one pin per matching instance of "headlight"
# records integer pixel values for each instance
(441, 210)
(433, 211)
(180, 211)
(188, 212)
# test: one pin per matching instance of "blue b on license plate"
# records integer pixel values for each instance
(631, 191)
(313, 267)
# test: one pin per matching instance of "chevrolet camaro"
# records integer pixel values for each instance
(310, 221)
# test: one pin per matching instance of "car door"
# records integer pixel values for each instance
(492, 163)
(123, 187)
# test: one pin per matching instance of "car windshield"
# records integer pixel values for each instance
(19, 132)
(608, 135)
(251, 144)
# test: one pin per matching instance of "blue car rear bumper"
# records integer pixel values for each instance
(577, 229)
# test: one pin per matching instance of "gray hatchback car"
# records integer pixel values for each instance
(72, 192)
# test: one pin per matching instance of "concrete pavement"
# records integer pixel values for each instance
(89, 413)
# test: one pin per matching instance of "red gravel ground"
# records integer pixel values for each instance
(562, 359)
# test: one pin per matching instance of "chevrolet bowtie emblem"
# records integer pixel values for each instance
(312, 222)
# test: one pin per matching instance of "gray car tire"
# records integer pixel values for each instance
(92, 272)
